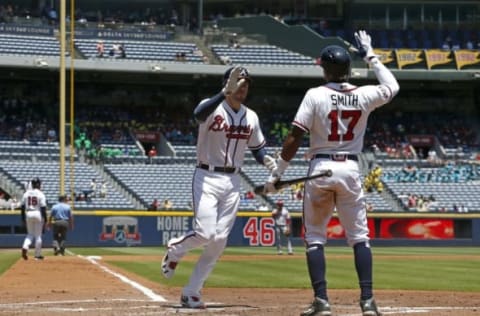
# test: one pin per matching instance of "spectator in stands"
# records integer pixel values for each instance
(93, 187)
(369, 207)
(249, 195)
(455, 45)
(122, 51)
(167, 204)
(14, 203)
(79, 197)
(233, 42)
(3, 202)
(462, 208)
(100, 48)
(412, 201)
(51, 135)
(432, 204)
(422, 204)
(103, 189)
(154, 205)
(447, 43)
(113, 52)
(409, 173)
(152, 153)
(432, 157)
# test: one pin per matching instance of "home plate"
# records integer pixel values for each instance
(213, 308)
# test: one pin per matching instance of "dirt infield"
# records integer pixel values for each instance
(73, 285)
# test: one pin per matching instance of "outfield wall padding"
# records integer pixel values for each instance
(140, 228)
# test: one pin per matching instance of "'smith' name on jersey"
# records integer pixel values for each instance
(233, 131)
(350, 100)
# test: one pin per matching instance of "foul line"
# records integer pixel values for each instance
(146, 291)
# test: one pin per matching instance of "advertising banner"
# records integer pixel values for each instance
(408, 57)
(248, 230)
(464, 58)
(435, 57)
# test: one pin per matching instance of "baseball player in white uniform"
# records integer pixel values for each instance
(283, 226)
(335, 115)
(227, 128)
(34, 216)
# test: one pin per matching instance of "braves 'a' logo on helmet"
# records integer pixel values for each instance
(244, 74)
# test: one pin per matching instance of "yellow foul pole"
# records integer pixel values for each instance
(72, 102)
(62, 97)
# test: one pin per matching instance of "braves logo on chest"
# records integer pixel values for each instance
(232, 131)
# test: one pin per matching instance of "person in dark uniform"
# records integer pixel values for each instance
(61, 220)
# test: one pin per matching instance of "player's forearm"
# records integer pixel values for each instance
(385, 76)
(292, 143)
(205, 108)
(259, 155)
(43, 211)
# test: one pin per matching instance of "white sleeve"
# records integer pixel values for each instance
(385, 78)
(256, 139)
(305, 114)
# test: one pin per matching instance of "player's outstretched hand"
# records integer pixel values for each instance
(233, 83)
(364, 45)
(275, 175)
(269, 162)
(269, 186)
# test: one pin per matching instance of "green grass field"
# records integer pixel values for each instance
(407, 268)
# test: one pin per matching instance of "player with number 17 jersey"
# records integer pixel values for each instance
(335, 115)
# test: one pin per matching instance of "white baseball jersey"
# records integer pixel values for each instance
(226, 134)
(281, 217)
(223, 138)
(33, 200)
(336, 115)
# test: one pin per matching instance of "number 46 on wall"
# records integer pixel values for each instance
(260, 231)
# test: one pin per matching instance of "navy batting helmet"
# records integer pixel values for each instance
(335, 61)
(244, 74)
(36, 183)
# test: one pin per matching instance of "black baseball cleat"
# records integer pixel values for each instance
(319, 307)
(39, 258)
(24, 254)
(369, 307)
(56, 251)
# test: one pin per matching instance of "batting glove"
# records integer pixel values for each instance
(233, 84)
(364, 45)
(275, 176)
(269, 162)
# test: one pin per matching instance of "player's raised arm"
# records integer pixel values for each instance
(383, 74)
(231, 83)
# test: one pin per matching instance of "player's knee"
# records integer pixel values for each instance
(314, 247)
(355, 243)
(207, 236)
